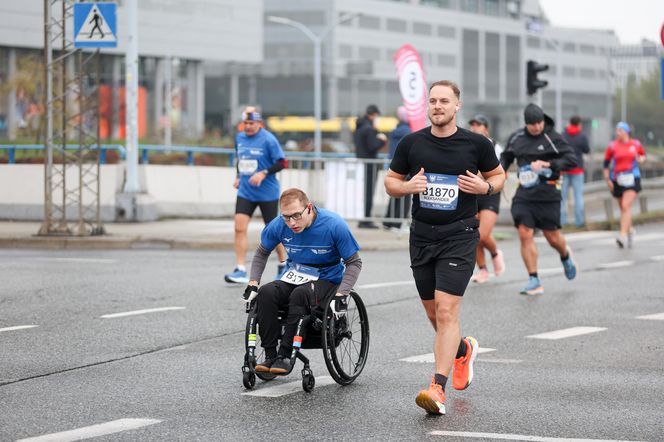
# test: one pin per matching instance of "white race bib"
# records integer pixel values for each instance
(626, 179)
(300, 274)
(247, 166)
(527, 176)
(442, 192)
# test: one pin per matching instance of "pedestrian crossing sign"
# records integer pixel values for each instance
(95, 25)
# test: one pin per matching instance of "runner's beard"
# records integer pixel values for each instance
(442, 120)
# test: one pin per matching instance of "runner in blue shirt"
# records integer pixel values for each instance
(322, 260)
(259, 158)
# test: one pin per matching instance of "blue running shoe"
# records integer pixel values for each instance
(237, 276)
(534, 287)
(569, 265)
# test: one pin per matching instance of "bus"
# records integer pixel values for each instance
(297, 133)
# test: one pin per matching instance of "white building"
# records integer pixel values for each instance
(483, 45)
(223, 53)
(171, 34)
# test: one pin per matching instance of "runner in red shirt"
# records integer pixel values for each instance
(622, 175)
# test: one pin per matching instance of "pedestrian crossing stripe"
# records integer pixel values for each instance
(95, 25)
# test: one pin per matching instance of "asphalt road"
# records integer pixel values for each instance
(174, 373)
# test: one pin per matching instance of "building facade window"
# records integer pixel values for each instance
(368, 53)
(437, 3)
(533, 42)
(446, 60)
(587, 73)
(587, 49)
(492, 66)
(422, 28)
(513, 82)
(492, 7)
(345, 51)
(396, 25)
(472, 6)
(369, 22)
(470, 64)
(446, 31)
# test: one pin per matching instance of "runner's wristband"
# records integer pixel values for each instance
(276, 167)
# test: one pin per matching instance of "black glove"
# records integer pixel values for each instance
(248, 291)
(340, 306)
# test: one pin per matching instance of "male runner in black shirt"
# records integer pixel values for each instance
(444, 162)
(540, 153)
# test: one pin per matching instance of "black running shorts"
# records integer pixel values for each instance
(544, 215)
(619, 190)
(443, 257)
(488, 202)
(269, 209)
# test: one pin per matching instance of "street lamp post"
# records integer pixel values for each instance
(317, 41)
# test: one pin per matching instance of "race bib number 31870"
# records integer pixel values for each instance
(442, 192)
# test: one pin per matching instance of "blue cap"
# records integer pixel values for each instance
(624, 126)
(252, 116)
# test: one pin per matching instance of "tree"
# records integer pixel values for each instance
(645, 108)
(27, 84)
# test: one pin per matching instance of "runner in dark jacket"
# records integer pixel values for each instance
(541, 154)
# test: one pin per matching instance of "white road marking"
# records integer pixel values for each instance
(384, 284)
(551, 271)
(111, 427)
(79, 260)
(515, 437)
(17, 327)
(141, 312)
(614, 265)
(567, 333)
(500, 361)
(657, 258)
(585, 236)
(647, 237)
(428, 357)
(656, 317)
(279, 390)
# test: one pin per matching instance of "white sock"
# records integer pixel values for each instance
(241, 268)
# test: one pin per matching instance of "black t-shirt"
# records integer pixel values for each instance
(443, 160)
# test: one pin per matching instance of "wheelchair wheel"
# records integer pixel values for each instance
(248, 379)
(254, 353)
(308, 380)
(345, 341)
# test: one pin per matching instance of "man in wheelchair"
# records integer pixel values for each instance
(323, 261)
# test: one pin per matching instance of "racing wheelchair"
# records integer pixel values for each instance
(344, 341)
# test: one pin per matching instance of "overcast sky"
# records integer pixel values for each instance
(631, 20)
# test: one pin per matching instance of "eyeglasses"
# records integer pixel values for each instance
(295, 217)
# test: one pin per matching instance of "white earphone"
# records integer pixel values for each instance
(456, 108)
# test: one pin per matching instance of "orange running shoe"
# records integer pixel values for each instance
(433, 399)
(463, 366)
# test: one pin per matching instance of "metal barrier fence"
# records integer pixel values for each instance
(350, 186)
(190, 151)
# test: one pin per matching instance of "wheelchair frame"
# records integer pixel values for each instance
(333, 333)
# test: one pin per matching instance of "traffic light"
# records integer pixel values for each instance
(532, 82)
